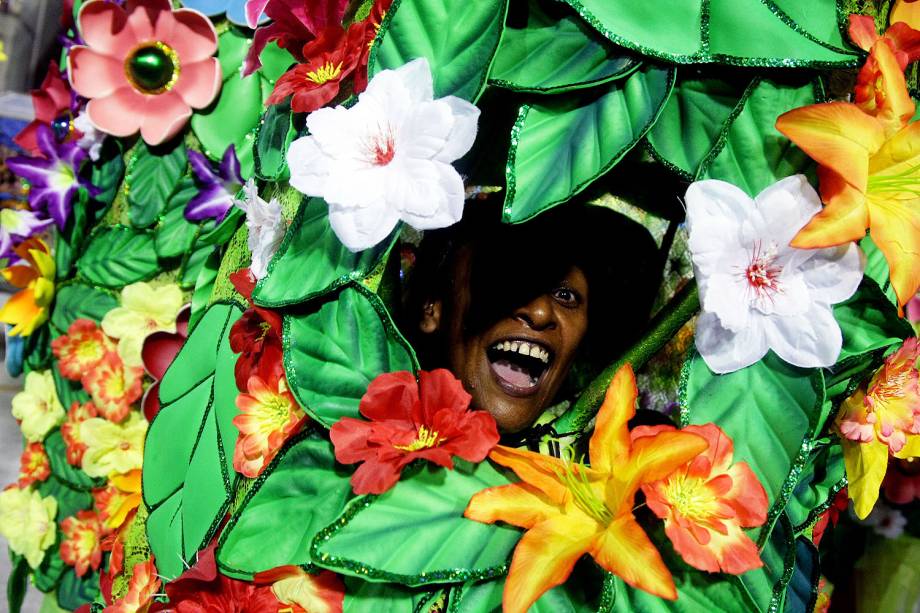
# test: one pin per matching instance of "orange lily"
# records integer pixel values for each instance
(902, 37)
(28, 309)
(869, 169)
(570, 509)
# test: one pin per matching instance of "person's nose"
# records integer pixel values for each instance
(538, 314)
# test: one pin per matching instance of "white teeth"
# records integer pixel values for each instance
(524, 348)
(514, 346)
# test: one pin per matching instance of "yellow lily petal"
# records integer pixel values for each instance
(837, 135)
(881, 90)
(609, 444)
(656, 457)
(907, 12)
(896, 231)
(866, 464)
(21, 312)
(43, 262)
(538, 470)
(844, 218)
(625, 550)
(518, 504)
(911, 449)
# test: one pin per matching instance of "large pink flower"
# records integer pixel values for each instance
(144, 66)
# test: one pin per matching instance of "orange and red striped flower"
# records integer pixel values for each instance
(118, 499)
(33, 465)
(143, 585)
(81, 349)
(70, 430)
(81, 546)
(114, 386)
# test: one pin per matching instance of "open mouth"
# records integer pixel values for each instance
(518, 365)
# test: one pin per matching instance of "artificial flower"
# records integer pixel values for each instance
(142, 587)
(113, 448)
(905, 11)
(91, 139)
(33, 465)
(869, 166)
(880, 420)
(158, 352)
(425, 420)
(145, 68)
(912, 312)
(371, 28)
(27, 522)
(829, 517)
(215, 191)
(144, 309)
(266, 227)
(900, 37)
(80, 546)
(28, 308)
(706, 503)
(53, 105)
(387, 158)
(886, 521)
(570, 509)
(19, 223)
(758, 293)
(902, 481)
(329, 59)
(315, 593)
(53, 179)
(70, 430)
(83, 347)
(268, 416)
(235, 9)
(113, 386)
(256, 335)
(118, 499)
(37, 406)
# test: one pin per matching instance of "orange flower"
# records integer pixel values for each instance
(143, 585)
(33, 465)
(28, 309)
(903, 39)
(570, 509)
(869, 168)
(705, 504)
(81, 349)
(269, 415)
(118, 499)
(113, 387)
(81, 545)
(70, 430)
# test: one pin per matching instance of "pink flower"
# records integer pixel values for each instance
(144, 67)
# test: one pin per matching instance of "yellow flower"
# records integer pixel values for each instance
(37, 406)
(27, 522)
(113, 448)
(28, 309)
(144, 310)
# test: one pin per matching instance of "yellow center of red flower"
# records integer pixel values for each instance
(324, 73)
(89, 350)
(690, 497)
(425, 439)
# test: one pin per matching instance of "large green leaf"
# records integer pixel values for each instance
(877, 268)
(486, 597)
(69, 500)
(80, 301)
(273, 137)
(175, 234)
(312, 260)
(372, 597)
(153, 174)
(559, 146)
(17, 583)
(119, 255)
(298, 494)
(459, 39)
(819, 483)
(783, 558)
(696, 592)
(106, 173)
(556, 52)
(188, 474)
(336, 348)
(869, 321)
(48, 574)
(740, 32)
(73, 591)
(381, 537)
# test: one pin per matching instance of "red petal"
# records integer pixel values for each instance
(390, 396)
(159, 351)
(349, 436)
(440, 389)
(374, 477)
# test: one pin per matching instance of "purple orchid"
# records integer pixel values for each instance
(215, 196)
(53, 179)
(18, 223)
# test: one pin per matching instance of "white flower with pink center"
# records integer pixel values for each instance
(387, 158)
(757, 292)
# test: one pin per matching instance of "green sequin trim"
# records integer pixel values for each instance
(821, 508)
(568, 87)
(378, 40)
(779, 589)
(719, 144)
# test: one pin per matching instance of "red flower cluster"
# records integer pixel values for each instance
(256, 336)
(70, 430)
(33, 465)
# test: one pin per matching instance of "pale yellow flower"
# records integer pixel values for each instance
(37, 406)
(113, 448)
(27, 522)
(144, 309)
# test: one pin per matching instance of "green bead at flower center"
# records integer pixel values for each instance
(152, 68)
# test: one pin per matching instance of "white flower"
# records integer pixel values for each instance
(266, 227)
(757, 292)
(886, 521)
(91, 141)
(387, 158)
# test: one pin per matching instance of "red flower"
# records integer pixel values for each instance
(256, 336)
(902, 481)
(70, 430)
(371, 26)
(158, 352)
(81, 349)
(903, 40)
(330, 58)
(33, 465)
(830, 516)
(427, 420)
(293, 586)
(81, 545)
(50, 101)
(143, 586)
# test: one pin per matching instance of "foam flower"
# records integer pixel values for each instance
(879, 420)
(80, 546)
(387, 158)
(425, 420)
(33, 465)
(706, 503)
(70, 430)
(869, 166)
(52, 104)
(266, 227)
(144, 309)
(570, 509)
(28, 308)
(113, 448)
(81, 349)
(215, 190)
(142, 587)
(268, 416)
(19, 223)
(158, 352)
(144, 68)
(113, 386)
(27, 522)
(316, 593)
(37, 406)
(256, 335)
(118, 499)
(757, 292)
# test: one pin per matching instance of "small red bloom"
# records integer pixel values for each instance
(428, 420)
(902, 481)
(256, 336)
(830, 516)
(158, 352)
(51, 101)
(33, 465)
(371, 27)
(81, 349)
(70, 430)
(903, 40)
(113, 386)
(143, 585)
(81, 545)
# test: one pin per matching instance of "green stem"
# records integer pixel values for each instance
(665, 325)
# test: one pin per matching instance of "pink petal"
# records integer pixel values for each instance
(254, 9)
(104, 28)
(94, 75)
(163, 117)
(141, 18)
(193, 36)
(199, 82)
(119, 113)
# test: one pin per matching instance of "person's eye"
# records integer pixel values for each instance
(566, 297)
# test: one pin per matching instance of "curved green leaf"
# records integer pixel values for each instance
(153, 175)
(869, 322)
(62, 469)
(819, 483)
(69, 500)
(486, 597)
(273, 137)
(556, 53)
(560, 146)
(73, 591)
(334, 350)
(175, 234)
(80, 301)
(877, 268)
(739, 32)
(371, 597)
(312, 261)
(379, 537)
(459, 39)
(119, 255)
(696, 592)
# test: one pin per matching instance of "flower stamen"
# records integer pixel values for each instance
(426, 439)
(575, 478)
(326, 72)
